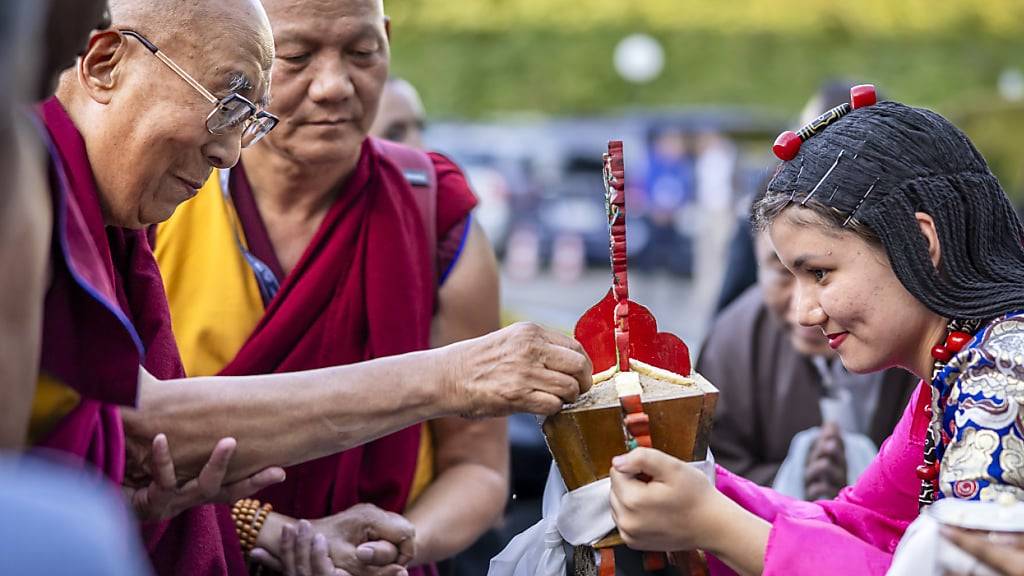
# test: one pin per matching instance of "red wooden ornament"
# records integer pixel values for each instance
(956, 341)
(787, 145)
(928, 472)
(941, 353)
(863, 95)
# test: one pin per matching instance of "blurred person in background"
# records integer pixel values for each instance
(714, 212)
(29, 70)
(668, 189)
(401, 117)
(418, 271)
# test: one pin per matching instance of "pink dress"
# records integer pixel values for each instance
(857, 532)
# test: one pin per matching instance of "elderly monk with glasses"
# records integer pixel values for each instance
(325, 246)
(131, 138)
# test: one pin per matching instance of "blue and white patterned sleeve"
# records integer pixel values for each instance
(983, 418)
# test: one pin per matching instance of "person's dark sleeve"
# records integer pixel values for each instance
(740, 265)
(726, 360)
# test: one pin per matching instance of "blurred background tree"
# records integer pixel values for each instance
(479, 59)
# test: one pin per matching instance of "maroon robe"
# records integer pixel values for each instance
(363, 289)
(105, 314)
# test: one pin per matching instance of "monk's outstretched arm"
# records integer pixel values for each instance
(468, 494)
(285, 419)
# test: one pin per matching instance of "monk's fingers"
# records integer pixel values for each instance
(564, 340)
(163, 464)
(566, 361)
(252, 484)
(267, 559)
(565, 386)
(390, 570)
(211, 477)
(303, 549)
(377, 553)
(406, 550)
(542, 403)
(570, 362)
(287, 551)
(320, 560)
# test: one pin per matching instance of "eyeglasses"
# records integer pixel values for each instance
(231, 113)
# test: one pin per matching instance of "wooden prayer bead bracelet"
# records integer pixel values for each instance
(249, 517)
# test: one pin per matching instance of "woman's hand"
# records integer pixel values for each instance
(679, 509)
(670, 512)
(162, 498)
(996, 553)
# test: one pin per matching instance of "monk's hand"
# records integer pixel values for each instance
(669, 512)
(996, 553)
(302, 552)
(521, 368)
(163, 497)
(825, 473)
(361, 541)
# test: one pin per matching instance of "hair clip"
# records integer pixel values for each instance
(787, 145)
(859, 202)
(818, 185)
(792, 195)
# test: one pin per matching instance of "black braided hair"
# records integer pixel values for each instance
(912, 160)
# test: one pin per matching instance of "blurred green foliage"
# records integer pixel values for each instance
(486, 58)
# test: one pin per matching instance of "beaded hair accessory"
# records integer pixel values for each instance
(787, 145)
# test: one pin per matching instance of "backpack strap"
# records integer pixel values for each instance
(419, 172)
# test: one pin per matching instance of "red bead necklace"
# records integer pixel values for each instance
(957, 337)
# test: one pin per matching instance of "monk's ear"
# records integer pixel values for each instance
(927, 225)
(387, 27)
(100, 66)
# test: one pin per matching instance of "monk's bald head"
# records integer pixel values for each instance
(198, 24)
(144, 124)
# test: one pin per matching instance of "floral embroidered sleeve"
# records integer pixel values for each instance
(982, 419)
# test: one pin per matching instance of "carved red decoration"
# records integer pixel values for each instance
(638, 424)
(632, 404)
(617, 329)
